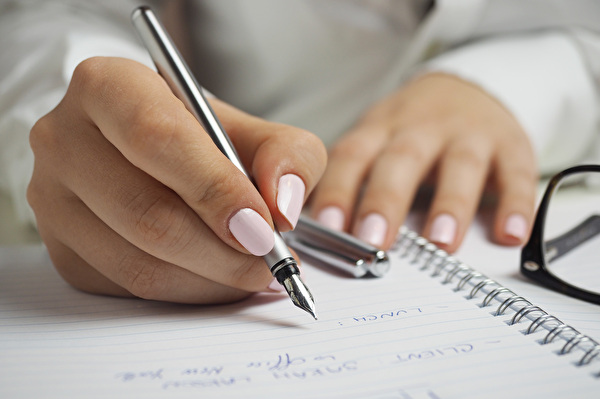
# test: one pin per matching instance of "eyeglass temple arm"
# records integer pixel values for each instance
(559, 246)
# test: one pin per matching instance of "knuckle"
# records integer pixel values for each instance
(142, 278)
(519, 188)
(151, 129)
(469, 156)
(316, 147)
(517, 176)
(90, 76)
(393, 195)
(353, 147)
(217, 189)
(47, 149)
(151, 123)
(159, 221)
(412, 148)
(525, 176)
(43, 137)
(33, 194)
(524, 171)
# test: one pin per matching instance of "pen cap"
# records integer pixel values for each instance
(338, 249)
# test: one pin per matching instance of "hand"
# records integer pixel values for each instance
(435, 123)
(132, 197)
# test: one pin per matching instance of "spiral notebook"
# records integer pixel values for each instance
(432, 328)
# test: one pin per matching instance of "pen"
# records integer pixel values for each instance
(337, 249)
(175, 72)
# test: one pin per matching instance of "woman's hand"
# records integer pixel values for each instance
(436, 123)
(132, 197)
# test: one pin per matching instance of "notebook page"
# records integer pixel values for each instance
(404, 336)
(502, 263)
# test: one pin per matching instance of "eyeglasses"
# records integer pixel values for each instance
(564, 248)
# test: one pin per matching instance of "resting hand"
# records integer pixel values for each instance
(132, 197)
(436, 123)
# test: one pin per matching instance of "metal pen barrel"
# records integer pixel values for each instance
(181, 81)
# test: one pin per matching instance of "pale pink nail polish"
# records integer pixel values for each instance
(332, 217)
(252, 231)
(516, 226)
(443, 229)
(290, 197)
(373, 229)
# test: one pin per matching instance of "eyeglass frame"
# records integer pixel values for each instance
(533, 257)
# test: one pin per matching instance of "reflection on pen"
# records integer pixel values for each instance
(337, 249)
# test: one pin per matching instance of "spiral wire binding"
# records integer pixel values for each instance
(419, 251)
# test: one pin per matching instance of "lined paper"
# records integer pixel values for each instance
(402, 336)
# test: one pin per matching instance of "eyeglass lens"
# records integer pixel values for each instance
(572, 231)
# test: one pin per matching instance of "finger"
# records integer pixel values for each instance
(161, 224)
(142, 279)
(463, 171)
(516, 177)
(349, 161)
(392, 184)
(78, 273)
(138, 114)
(123, 269)
(285, 162)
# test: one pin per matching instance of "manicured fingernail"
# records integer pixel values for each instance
(252, 231)
(332, 217)
(290, 197)
(275, 286)
(373, 229)
(516, 226)
(443, 229)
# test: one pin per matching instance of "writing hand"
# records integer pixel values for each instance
(132, 197)
(435, 123)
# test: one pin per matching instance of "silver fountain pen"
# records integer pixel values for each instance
(176, 73)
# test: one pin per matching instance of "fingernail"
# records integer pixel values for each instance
(516, 226)
(252, 231)
(290, 197)
(443, 229)
(332, 217)
(275, 286)
(373, 229)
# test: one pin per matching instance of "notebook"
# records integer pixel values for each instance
(433, 327)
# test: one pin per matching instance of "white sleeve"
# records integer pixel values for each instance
(42, 42)
(544, 79)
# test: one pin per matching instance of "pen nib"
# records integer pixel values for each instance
(299, 294)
